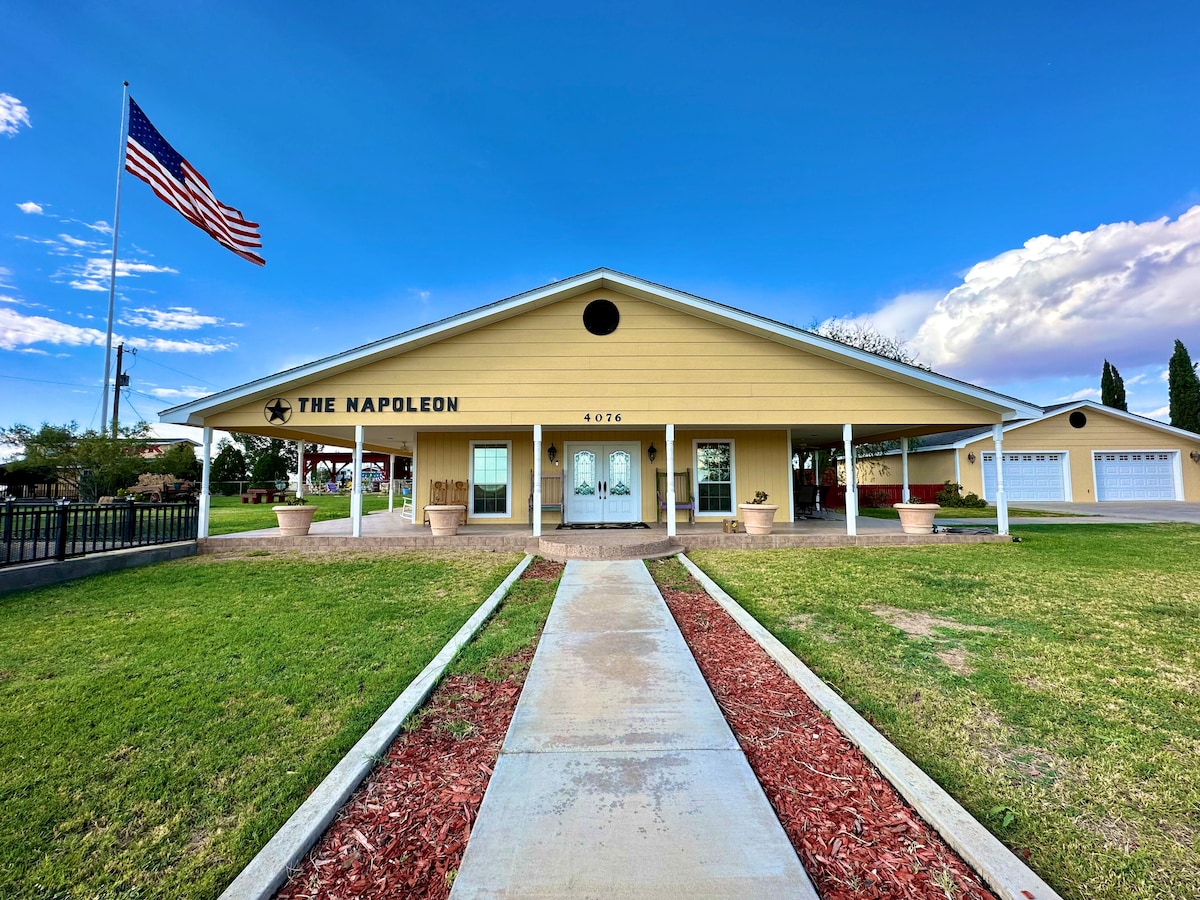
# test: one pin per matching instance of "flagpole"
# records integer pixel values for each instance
(112, 274)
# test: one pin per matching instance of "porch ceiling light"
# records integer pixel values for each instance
(552, 452)
(652, 452)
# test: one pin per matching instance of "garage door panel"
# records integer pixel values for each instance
(1027, 476)
(1136, 475)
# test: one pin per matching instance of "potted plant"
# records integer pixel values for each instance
(916, 518)
(295, 517)
(444, 518)
(758, 514)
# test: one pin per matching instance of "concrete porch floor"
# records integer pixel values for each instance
(383, 531)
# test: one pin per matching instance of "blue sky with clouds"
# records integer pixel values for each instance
(1015, 189)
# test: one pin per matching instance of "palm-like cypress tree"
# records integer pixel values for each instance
(1183, 388)
(1112, 388)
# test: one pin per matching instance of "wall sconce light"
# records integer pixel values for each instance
(552, 452)
(1195, 456)
(652, 452)
(971, 458)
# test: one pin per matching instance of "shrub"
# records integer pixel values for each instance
(951, 495)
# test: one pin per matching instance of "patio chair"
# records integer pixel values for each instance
(437, 496)
(552, 496)
(806, 500)
(458, 497)
(683, 493)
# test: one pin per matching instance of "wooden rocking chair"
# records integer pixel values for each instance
(683, 493)
(438, 491)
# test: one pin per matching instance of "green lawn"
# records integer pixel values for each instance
(1051, 686)
(230, 514)
(962, 512)
(160, 724)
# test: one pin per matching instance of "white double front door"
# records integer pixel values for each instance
(602, 483)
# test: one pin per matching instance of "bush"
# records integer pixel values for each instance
(951, 495)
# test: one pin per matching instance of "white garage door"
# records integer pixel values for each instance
(1027, 476)
(1136, 475)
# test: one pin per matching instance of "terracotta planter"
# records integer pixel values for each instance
(916, 518)
(759, 518)
(294, 521)
(443, 520)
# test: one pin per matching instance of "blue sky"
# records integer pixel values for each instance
(1008, 187)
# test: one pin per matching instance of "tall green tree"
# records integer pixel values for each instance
(1112, 388)
(94, 463)
(1183, 390)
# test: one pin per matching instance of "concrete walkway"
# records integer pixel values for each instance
(619, 776)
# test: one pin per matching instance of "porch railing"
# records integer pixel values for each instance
(36, 531)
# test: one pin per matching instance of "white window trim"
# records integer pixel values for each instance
(1068, 487)
(508, 494)
(696, 442)
(1176, 465)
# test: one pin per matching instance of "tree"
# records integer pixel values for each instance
(228, 468)
(94, 463)
(1183, 390)
(863, 336)
(180, 460)
(1112, 388)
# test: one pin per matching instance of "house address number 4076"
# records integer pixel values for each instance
(600, 417)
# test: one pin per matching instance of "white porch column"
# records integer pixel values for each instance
(536, 512)
(904, 470)
(206, 469)
(1001, 499)
(851, 481)
(670, 481)
(356, 491)
(300, 468)
(391, 480)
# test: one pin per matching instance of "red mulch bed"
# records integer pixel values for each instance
(405, 829)
(855, 834)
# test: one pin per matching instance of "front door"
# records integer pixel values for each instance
(603, 483)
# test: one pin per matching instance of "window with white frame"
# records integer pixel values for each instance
(491, 477)
(714, 477)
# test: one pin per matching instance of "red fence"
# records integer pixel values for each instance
(879, 494)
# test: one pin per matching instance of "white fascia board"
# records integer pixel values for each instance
(193, 413)
(1100, 408)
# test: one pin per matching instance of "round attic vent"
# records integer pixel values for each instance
(1077, 419)
(601, 317)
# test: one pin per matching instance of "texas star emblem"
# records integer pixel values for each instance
(278, 411)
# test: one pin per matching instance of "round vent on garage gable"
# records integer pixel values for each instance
(1078, 419)
(601, 317)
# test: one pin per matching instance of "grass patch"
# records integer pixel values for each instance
(161, 723)
(1052, 687)
(228, 515)
(964, 512)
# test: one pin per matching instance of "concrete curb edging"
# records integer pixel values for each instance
(264, 875)
(1006, 875)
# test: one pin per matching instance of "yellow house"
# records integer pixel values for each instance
(1078, 452)
(605, 380)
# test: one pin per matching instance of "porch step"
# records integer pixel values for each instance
(634, 544)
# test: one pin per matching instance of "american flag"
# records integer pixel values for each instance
(152, 159)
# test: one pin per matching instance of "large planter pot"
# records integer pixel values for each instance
(294, 521)
(916, 518)
(759, 518)
(443, 520)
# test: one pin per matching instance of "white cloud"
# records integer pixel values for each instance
(12, 115)
(1083, 394)
(34, 350)
(177, 318)
(1163, 413)
(4, 298)
(31, 208)
(77, 242)
(93, 274)
(18, 331)
(186, 392)
(1062, 305)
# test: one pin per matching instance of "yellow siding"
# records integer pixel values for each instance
(1102, 432)
(933, 467)
(761, 462)
(661, 365)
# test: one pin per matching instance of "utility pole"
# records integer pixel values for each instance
(122, 381)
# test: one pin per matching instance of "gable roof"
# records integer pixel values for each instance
(956, 440)
(194, 412)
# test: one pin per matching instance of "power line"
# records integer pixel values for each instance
(44, 381)
(177, 371)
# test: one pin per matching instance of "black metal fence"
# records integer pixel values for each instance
(35, 531)
(41, 490)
